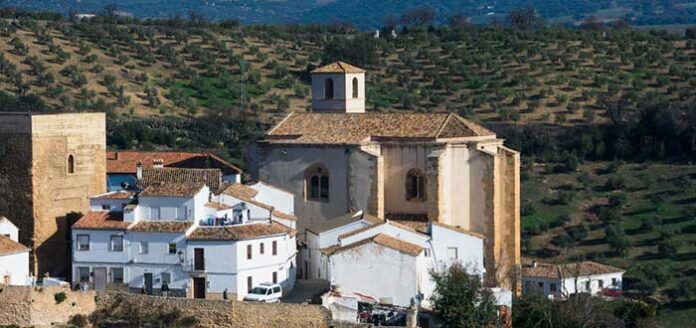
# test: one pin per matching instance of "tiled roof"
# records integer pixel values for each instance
(569, 270)
(240, 191)
(211, 177)
(161, 226)
(240, 232)
(338, 67)
(459, 229)
(283, 215)
(341, 221)
(345, 128)
(380, 239)
(122, 194)
(218, 206)
(125, 161)
(9, 246)
(416, 222)
(172, 190)
(101, 220)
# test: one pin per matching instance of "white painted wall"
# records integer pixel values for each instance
(99, 247)
(280, 200)
(568, 286)
(389, 230)
(8, 228)
(343, 100)
(315, 243)
(16, 266)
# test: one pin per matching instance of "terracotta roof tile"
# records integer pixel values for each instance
(125, 161)
(283, 215)
(9, 246)
(161, 226)
(101, 220)
(341, 221)
(568, 270)
(211, 177)
(218, 206)
(338, 67)
(240, 232)
(172, 190)
(459, 229)
(240, 191)
(122, 194)
(380, 239)
(344, 128)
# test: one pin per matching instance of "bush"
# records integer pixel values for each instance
(59, 297)
(79, 320)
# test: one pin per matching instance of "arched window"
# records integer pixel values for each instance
(355, 87)
(71, 164)
(317, 182)
(328, 89)
(415, 185)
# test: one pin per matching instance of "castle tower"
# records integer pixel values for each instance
(338, 88)
(49, 166)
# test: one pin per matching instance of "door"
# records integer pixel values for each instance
(148, 283)
(198, 287)
(198, 259)
(99, 278)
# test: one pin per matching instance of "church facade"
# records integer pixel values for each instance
(411, 168)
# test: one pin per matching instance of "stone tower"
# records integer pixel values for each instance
(338, 88)
(49, 165)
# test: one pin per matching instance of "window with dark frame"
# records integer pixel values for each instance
(172, 248)
(249, 284)
(82, 242)
(261, 246)
(317, 180)
(116, 242)
(274, 247)
(71, 164)
(117, 275)
(83, 274)
(248, 252)
(587, 286)
(275, 277)
(329, 88)
(415, 185)
(355, 87)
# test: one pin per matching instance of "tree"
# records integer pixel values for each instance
(460, 300)
(524, 19)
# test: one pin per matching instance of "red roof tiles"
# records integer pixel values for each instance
(101, 220)
(125, 161)
(9, 246)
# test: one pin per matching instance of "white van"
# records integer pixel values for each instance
(265, 292)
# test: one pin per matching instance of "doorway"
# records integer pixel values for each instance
(99, 279)
(199, 287)
(148, 283)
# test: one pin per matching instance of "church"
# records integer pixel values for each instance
(410, 168)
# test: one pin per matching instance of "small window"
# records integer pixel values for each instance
(116, 243)
(426, 252)
(248, 252)
(415, 185)
(250, 284)
(329, 88)
(166, 278)
(144, 247)
(587, 286)
(600, 282)
(172, 248)
(83, 274)
(274, 247)
(317, 180)
(106, 207)
(82, 242)
(355, 87)
(71, 164)
(275, 277)
(553, 287)
(541, 285)
(117, 275)
(614, 282)
(261, 248)
(452, 253)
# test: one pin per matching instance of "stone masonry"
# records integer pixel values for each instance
(37, 190)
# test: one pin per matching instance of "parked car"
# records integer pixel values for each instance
(265, 292)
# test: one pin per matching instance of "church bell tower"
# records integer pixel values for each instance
(338, 88)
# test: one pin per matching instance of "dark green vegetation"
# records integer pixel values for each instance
(371, 13)
(641, 217)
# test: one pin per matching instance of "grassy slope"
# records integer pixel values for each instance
(674, 182)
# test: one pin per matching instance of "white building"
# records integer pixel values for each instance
(14, 257)
(201, 244)
(558, 281)
(387, 260)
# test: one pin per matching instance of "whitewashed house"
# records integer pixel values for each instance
(14, 257)
(558, 281)
(386, 260)
(185, 236)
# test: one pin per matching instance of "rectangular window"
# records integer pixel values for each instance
(116, 243)
(166, 277)
(261, 248)
(106, 207)
(83, 274)
(172, 248)
(249, 284)
(144, 247)
(426, 252)
(154, 213)
(248, 252)
(587, 286)
(541, 285)
(275, 277)
(614, 282)
(182, 213)
(553, 287)
(82, 242)
(600, 282)
(275, 247)
(117, 275)
(452, 253)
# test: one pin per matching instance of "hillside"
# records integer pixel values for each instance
(370, 14)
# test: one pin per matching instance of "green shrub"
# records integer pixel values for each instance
(59, 297)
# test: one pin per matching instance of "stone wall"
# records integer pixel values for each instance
(36, 306)
(226, 314)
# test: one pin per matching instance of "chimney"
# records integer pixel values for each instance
(157, 163)
(139, 171)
